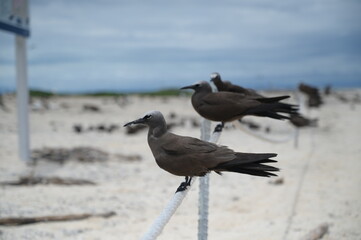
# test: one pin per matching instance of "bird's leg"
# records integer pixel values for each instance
(183, 186)
(219, 127)
(188, 180)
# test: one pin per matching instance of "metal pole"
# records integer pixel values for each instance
(22, 97)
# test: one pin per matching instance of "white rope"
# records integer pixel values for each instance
(157, 227)
(203, 202)
(205, 130)
(297, 137)
(301, 106)
(264, 138)
(203, 197)
(203, 206)
(300, 186)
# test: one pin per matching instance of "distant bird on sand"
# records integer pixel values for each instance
(300, 121)
(314, 96)
(187, 156)
(227, 86)
(230, 106)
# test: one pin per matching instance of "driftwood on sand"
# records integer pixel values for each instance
(81, 154)
(16, 221)
(2, 104)
(32, 180)
(317, 233)
(314, 97)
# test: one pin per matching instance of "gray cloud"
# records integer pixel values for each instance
(89, 45)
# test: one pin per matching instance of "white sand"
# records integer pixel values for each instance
(325, 168)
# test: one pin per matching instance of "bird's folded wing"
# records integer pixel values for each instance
(221, 98)
(188, 145)
(270, 99)
(230, 99)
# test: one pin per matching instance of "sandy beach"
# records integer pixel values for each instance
(321, 176)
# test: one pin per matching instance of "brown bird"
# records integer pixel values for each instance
(227, 86)
(300, 121)
(230, 106)
(187, 156)
(313, 94)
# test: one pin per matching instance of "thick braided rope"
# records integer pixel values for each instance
(203, 199)
(203, 205)
(156, 228)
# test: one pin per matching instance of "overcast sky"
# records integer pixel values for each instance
(145, 45)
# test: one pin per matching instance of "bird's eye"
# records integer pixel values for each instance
(147, 116)
(197, 85)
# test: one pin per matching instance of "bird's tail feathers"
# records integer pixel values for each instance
(250, 163)
(272, 110)
(286, 108)
(272, 99)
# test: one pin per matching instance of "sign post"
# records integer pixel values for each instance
(14, 17)
(22, 98)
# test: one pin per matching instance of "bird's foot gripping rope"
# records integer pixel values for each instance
(219, 128)
(183, 186)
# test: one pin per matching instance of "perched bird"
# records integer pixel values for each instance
(227, 86)
(230, 106)
(300, 121)
(187, 156)
(313, 94)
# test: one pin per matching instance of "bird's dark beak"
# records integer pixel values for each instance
(188, 87)
(138, 121)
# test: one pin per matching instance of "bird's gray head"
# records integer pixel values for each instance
(215, 77)
(199, 86)
(151, 119)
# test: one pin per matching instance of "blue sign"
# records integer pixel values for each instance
(14, 17)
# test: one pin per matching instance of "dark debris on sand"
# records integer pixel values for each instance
(91, 108)
(104, 128)
(32, 180)
(313, 94)
(61, 155)
(80, 154)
